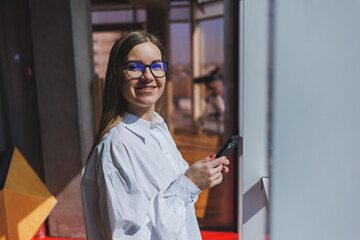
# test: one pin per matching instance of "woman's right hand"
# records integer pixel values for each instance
(208, 172)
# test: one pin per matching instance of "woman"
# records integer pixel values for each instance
(136, 184)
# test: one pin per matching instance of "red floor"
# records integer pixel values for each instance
(206, 235)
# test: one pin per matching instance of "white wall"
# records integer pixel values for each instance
(316, 131)
(253, 110)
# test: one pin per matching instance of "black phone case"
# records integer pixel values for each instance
(228, 146)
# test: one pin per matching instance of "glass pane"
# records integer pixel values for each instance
(121, 16)
(102, 43)
(182, 13)
(220, 202)
(141, 15)
(211, 66)
(176, 3)
(180, 72)
(212, 40)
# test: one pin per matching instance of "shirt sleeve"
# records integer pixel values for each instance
(129, 214)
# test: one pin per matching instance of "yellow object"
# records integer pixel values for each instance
(25, 202)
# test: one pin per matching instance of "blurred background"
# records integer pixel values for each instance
(53, 64)
(282, 74)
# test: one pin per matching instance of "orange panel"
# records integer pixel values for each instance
(22, 178)
(3, 222)
(25, 202)
(26, 213)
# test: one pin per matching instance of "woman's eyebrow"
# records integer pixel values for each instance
(132, 61)
(139, 61)
(157, 60)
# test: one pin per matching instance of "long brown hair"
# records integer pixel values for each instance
(114, 103)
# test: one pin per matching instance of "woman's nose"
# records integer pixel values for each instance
(148, 74)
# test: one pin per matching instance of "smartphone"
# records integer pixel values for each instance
(228, 146)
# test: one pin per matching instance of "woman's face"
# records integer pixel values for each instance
(142, 93)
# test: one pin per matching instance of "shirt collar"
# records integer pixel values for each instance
(158, 119)
(140, 126)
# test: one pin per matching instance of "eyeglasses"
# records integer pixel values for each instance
(137, 69)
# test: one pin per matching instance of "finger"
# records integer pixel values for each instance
(216, 169)
(215, 176)
(209, 158)
(225, 169)
(222, 159)
(226, 162)
(217, 181)
(216, 162)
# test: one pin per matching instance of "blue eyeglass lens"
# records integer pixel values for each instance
(136, 69)
(159, 69)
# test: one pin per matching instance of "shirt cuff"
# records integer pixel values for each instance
(185, 189)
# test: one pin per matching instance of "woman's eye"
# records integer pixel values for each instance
(134, 67)
(156, 67)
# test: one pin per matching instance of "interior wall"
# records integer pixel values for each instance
(4, 133)
(62, 44)
(253, 117)
(19, 121)
(84, 72)
(314, 185)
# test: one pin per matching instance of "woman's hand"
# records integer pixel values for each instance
(208, 172)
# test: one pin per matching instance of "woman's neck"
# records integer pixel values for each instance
(144, 113)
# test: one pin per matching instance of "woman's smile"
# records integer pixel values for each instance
(146, 89)
(142, 93)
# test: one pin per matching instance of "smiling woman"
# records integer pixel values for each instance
(141, 87)
(136, 184)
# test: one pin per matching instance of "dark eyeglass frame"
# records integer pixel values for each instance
(145, 66)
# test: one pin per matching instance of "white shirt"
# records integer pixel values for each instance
(134, 185)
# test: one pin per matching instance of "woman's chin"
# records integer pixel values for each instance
(142, 105)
